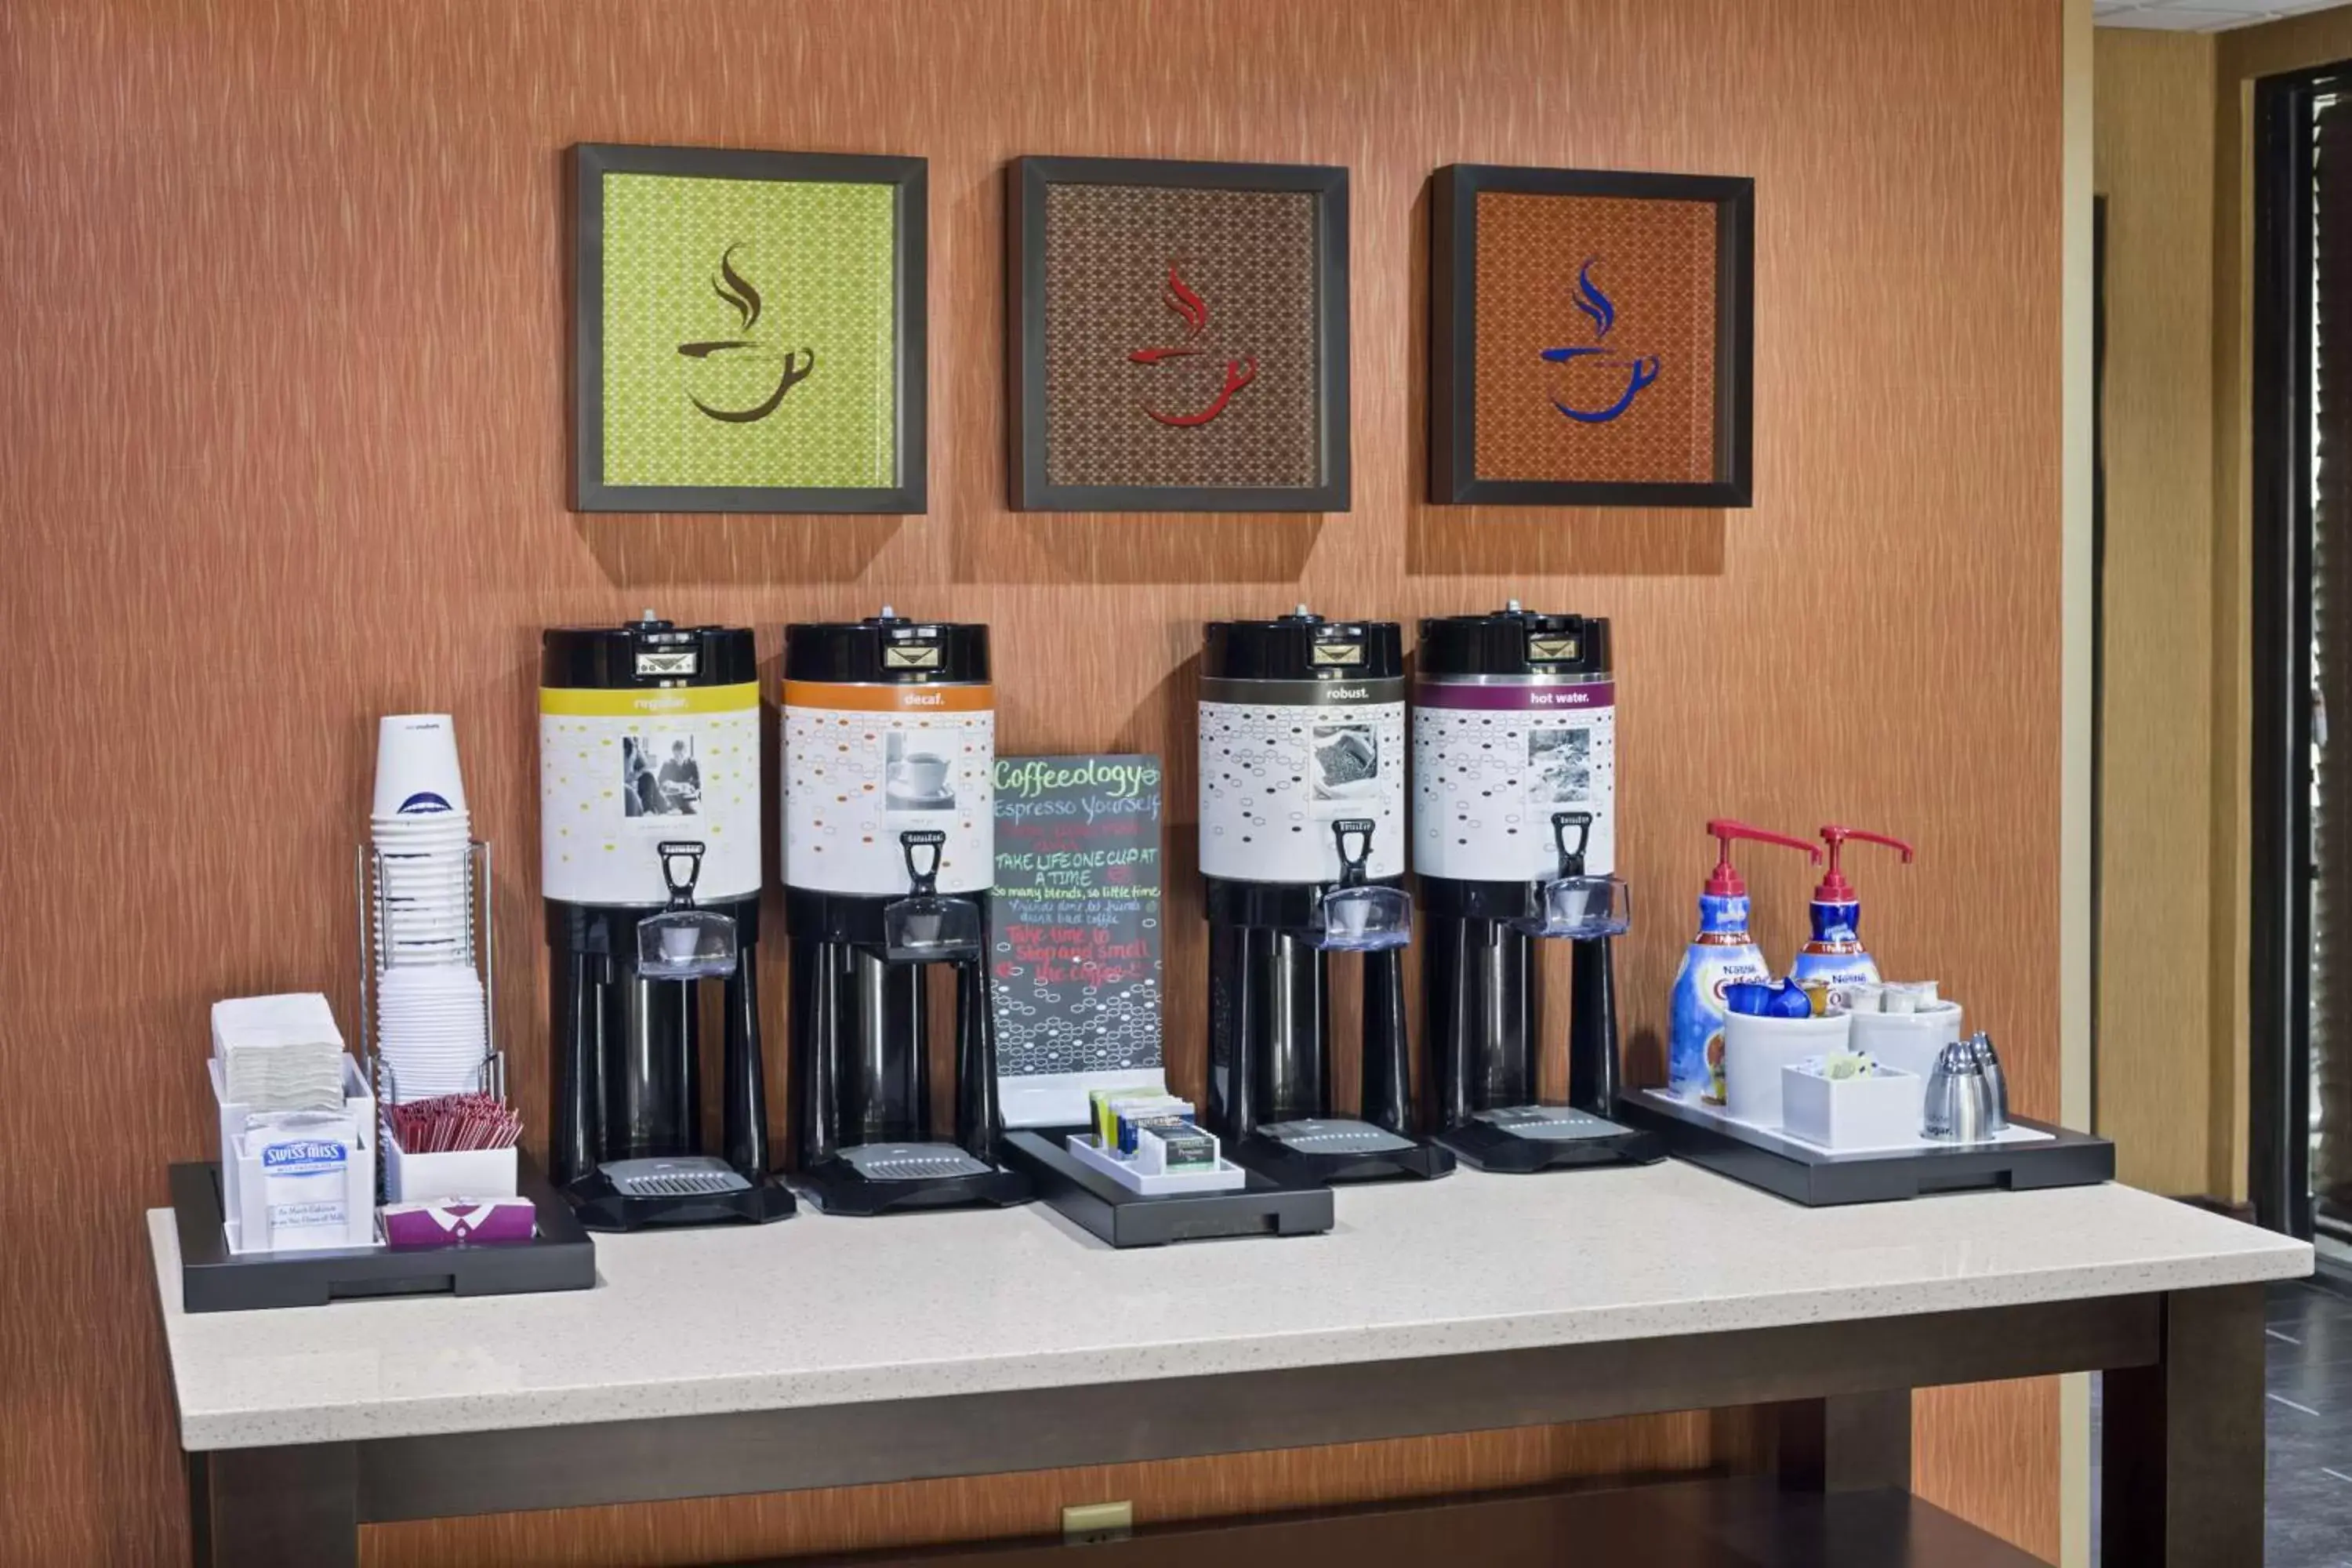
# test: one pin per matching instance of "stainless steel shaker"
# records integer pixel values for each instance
(1989, 1060)
(1960, 1106)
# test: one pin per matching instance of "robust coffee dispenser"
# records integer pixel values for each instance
(649, 860)
(889, 854)
(1302, 850)
(1513, 839)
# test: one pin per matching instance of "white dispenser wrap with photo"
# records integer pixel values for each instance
(865, 763)
(622, 770)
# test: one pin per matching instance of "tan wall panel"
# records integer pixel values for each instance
(2155, 168)
(286, 443)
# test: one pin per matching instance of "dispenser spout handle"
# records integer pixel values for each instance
(681, 864)
(1571, 858)
(923, 870)
(1834, 887)
(1724, 881)
(1836, 837)
(1356, 831)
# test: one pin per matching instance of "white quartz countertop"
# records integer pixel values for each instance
(819, 1310)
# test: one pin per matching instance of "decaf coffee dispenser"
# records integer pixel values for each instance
(889, 853)
(1303, 853)
(1515, 836)
(649, 860)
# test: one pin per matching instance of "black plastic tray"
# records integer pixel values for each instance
(1124, 1218)
(213, 1280)
(1819, 1179)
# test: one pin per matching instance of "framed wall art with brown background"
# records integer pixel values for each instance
(748, 331)
(1591, 337)
(1179, 335)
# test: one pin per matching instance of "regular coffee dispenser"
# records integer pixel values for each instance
(650, 776)
(1515, 836)
(889, 732)
(1302, 822)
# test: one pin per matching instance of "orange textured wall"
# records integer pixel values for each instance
(281, 394)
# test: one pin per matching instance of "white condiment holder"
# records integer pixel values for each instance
(1872, 1111)
(455, 1174)
(1755, 1049)
(244, 1201)
(1089, 1151)
(1908, 1041)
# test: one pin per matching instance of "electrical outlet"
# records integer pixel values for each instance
(1090, 1523)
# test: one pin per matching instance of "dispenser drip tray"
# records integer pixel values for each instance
(1549, 1124)
(1525, 1138)
(1335, 1149)
(912, 1162)
(893, 1178)
(684, 1176)
(1325, 1135)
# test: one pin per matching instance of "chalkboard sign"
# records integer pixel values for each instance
(1074, 936)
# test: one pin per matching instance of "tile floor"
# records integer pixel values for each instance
(2308, 1501)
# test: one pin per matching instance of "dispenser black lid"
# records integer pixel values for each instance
(1514, 641)
(646, 652)
(1302, 647)
(885, 647)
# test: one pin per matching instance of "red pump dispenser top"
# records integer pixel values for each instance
(1724, 882)
(1834, 887)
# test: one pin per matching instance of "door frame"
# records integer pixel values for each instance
(2280, 622)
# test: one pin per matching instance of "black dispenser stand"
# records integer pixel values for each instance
(861, 1027)
(1489, 970)
(1270, 1041)
(627, 1071)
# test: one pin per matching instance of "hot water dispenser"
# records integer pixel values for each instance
(1302, 826)
(649, 862)
(890, 729)
(1515, 834)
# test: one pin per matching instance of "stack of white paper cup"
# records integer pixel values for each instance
(431, 1027)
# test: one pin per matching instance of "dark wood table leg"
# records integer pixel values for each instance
(256, 1507)
(1848, 1442)
(2181, 1440)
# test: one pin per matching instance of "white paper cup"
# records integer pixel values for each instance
(1908, 1041)
(416, 766)
(1755, 1050)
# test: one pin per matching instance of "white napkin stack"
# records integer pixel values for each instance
(280, 1052)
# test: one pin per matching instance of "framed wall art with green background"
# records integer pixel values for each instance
(748, 331)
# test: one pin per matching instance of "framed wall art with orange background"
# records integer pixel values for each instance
(1179, 335)
(1591, 337)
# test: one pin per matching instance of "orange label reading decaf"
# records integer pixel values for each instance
(889, 697)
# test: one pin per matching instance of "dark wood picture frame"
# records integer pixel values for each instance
(1453, 335)
(1027, 181)
(590, 162)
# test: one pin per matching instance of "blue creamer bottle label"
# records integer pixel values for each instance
(1721, 956)
(1836, 954)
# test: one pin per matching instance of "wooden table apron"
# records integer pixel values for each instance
(2182, 1438)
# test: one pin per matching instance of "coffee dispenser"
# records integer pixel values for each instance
(649, 862)
(889, 853)
(1302, 851)
(1515, 836)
